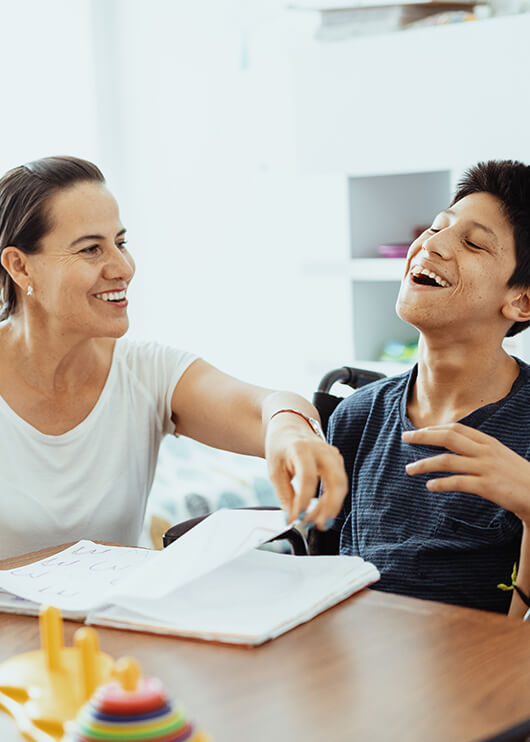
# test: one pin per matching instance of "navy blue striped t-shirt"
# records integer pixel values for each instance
(452, 547)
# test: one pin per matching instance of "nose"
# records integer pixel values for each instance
(437, 244)
(119, 265)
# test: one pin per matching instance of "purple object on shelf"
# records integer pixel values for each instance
(395, 250)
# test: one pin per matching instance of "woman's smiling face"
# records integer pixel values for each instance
(81, 274)
(458, 270)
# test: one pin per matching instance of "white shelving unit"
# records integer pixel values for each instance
(386, 209)
(399, 103)
(381, 209)
(394, 119)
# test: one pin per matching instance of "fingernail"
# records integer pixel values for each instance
(310, 524)
(301, 514)
(329, 522)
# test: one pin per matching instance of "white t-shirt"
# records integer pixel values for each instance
(93, 481)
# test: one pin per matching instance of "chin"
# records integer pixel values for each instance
(111, 330)
(120, 331)
(426, 323)
(404, 310)
(410, 314)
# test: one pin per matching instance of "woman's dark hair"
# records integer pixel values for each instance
(509, 181)
(24, 215)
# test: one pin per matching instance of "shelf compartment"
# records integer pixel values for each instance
(387, 209)
(375, 321)
(363, 269)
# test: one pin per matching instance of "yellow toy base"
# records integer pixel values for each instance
(42, 690)
(45, 690)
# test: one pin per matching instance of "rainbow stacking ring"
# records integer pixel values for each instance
(142, 715)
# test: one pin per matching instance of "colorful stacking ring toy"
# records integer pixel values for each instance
(135, 709)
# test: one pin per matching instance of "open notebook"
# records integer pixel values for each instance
(210, 584)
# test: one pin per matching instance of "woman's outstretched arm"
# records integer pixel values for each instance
(221, 411)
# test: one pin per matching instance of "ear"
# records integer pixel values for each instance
(517, 309)
(14, 261)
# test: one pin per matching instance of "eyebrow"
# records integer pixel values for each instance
(478, 225)
(95, 237)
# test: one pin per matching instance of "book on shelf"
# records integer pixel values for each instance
(341, 20)
(361, 4)
(211, 584)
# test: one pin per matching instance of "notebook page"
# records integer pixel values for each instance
(248, 600)
(88, 575)
(223, 536)
(10, 603)
(76, 579)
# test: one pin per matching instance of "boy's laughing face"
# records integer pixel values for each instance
(457, 271)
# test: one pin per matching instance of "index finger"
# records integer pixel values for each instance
(453, 439)
(334, 488)
(307, 479)
(281, 480)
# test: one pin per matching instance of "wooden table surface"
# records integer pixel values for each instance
(376, 667)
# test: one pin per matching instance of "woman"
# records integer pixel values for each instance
(82, 409)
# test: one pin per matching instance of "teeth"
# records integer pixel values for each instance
(417, 270)
(112, 295)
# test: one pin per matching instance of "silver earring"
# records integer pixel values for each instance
(29, 292)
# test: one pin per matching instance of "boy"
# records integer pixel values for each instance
(438, 458)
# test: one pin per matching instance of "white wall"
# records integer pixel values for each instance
(49, 99)
(189, 110)
(424, 99)
(430, 99)
(219, 220)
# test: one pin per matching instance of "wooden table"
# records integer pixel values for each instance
(377, 667)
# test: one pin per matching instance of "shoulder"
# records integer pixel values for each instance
(516, 405)
(373, 402)
(149, 356)
(509, 420)
(380, 393)
(150, 368)
(524, 374)
(147, 372)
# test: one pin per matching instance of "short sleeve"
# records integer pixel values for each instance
(158, 369)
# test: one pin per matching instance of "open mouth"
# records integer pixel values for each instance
(114, 297)
(424, 277)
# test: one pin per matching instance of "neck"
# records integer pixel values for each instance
(456, 378)
(49, 361)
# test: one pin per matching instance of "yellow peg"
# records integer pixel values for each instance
(86, 641)
(46, 688)
(51, 636)
(128, 672)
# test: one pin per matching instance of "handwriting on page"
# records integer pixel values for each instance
(77, 578)
(7, 599)
(87, 575)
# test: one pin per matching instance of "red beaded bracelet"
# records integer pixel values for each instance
(311, 421)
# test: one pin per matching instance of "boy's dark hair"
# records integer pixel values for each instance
(509, 181)
(25, 192)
